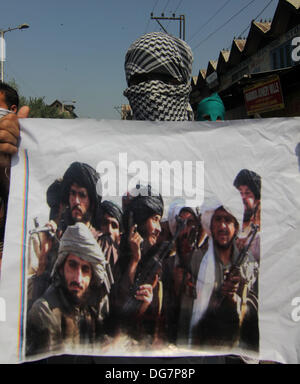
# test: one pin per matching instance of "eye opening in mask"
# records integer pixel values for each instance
(145, 77)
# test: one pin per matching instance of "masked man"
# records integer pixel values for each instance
(73, 308)
(158, 71)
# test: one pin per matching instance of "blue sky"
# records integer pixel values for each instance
(74, 50)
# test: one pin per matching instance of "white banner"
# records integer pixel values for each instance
(203, 301)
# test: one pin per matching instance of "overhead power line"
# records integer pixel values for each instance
(209, 20)
(155, 5)
(223, 25)
(178, 5)
(166, 6)
(147, 26)
(181, 20)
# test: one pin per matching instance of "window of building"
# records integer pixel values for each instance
(281, 57)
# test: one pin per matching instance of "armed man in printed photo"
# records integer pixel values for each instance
(224, 311)
(111, 228)
(248, 184)
(73, 309)
(138, 289)
(176, 271)
(77, 200)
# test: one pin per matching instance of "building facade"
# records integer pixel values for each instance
(259, 75)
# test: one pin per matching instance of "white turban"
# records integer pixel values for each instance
(231, 202)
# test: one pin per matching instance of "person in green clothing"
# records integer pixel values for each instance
(211, 109)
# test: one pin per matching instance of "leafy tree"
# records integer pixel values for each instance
(38, 107)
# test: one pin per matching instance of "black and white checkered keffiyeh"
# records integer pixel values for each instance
(159, 53)
(155, 100)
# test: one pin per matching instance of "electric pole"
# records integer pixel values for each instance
(181, 20)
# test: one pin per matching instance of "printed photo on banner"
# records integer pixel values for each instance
(140, 256)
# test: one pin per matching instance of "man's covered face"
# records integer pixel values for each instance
(79, 203)
(110, 226)
(77, 274)
(223, 228)
(152, 229)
